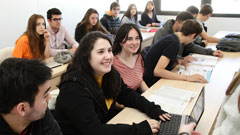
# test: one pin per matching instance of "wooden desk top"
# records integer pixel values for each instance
(147, 35)
(56, 71)
(215, 90)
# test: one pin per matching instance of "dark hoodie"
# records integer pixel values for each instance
(81, 108)
(110, 24)
(183, 49)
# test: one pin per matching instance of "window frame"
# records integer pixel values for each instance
(159, 12)
(174, 13)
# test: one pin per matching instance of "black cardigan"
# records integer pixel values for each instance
(145, 19)
(80, 32)
(81, 108)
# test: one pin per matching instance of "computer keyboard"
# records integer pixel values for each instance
(170, 127)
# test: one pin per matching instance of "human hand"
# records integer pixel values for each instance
(73, 49)
(189, 128)
(155, 125)
(188, 59)
(182, 62)
(165, 117)
(218, 53)
(155, 24)
(46, 35)
(196, 78)
(148, 25)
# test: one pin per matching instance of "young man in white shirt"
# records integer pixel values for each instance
(60, 38)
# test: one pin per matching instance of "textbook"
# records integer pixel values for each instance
(204, 60)
(203, 65)
(205, 71)
(173, 100)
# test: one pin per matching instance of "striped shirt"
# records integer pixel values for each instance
(133, 77)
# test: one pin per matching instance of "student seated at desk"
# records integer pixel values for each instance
(172, 26)
(128, 59)
(90, 89)
(131, 16)
(162, 56)
(193, 10)
(110, 20)
(149, 16)
(228, 121)
(60, 40)
(35, 42)
(204, 14)
(90, 22)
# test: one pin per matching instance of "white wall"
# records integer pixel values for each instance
(14, 15)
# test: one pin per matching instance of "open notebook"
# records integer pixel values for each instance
(172, 100)
(203, 65)
(205, 71)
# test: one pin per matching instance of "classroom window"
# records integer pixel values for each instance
(226, 6)
(139, 3)
(178, 5)
(221, 8)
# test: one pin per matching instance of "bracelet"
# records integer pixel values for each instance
(184, 133)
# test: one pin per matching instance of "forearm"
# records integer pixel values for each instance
(47, 50)
(143, 86)
(53, 52)
(212, 39)
(163, 73)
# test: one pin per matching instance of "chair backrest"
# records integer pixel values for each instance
(5, 53)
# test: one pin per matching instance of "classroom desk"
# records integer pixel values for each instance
(130, 115)
(56, 73)
(214, 92)
(147, 38)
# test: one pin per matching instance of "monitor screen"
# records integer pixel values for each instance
(198, 108)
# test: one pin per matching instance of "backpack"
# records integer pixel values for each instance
(229, 43)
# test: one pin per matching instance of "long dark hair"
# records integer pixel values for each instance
(88, 26)
(128, 12)
(122, 36)
(36, 41)
(146, 10)
(80, 63)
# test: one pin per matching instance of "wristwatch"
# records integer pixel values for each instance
(184, 133)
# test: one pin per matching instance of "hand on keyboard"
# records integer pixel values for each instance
(165, 117)
(155, 125)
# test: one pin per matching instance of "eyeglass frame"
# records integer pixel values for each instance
(57, 19)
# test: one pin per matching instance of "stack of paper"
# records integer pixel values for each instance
(172, 100)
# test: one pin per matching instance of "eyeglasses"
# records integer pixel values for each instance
(57, 19)
(116, 9)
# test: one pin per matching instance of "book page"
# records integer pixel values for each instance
(205, 71)
(204, 60)
(172, 100)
